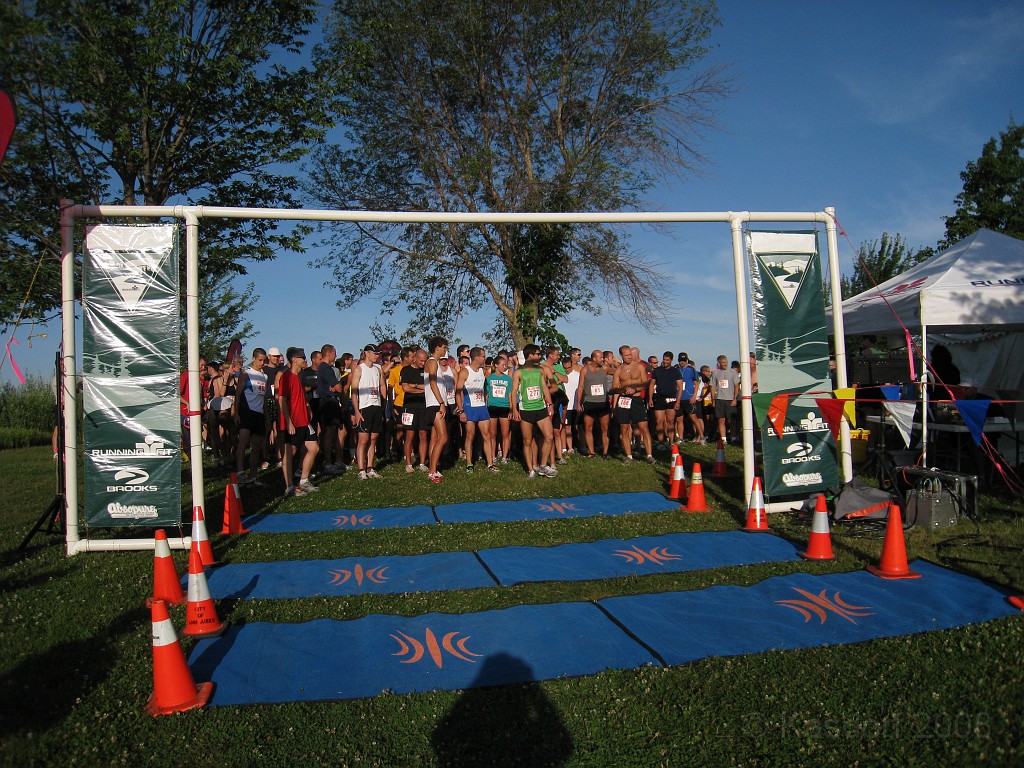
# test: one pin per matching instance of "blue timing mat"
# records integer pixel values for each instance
(328, 659)
(340, 519)
(546, 509)
(442, 571)
(612, 558)
(803, 611)
(350, 576)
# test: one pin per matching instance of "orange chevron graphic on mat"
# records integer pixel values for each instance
(358, 573)
(416, 651)
(561, 507)
(636, 556)
(353, 520)
(818, 605)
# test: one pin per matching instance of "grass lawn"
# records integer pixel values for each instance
(76, 670)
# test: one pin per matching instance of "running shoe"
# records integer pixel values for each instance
(307, 486)
(423, 468)
(628, 460)
(410, 469)
(532, 474)
(504, 459)
(650, 459)
(493, 469)
(373, 474)
(563, 460)
(435, 477)
(290, 491)
(469, 468)
(363, 475)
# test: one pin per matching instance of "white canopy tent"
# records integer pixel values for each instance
(969, 297)
(976, 285)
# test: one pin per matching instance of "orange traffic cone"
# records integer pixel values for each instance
(695, 501)
(232, 508)
(894, 550)
(757, 518)
(720, 468)
(200, 537)
(201, 615)
(819, 546)
(166, 584)
(1017, 601)
(677, 489)
(174, 690)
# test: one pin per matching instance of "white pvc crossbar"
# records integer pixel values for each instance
(192, 214)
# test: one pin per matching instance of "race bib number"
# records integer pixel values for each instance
(670, 399)
(533, 393)
(723, 384)
(625, 402)
(498, 390)
(477, 398)
(597, 390)
(407, 419)
(374, 392)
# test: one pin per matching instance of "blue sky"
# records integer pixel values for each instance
(871, 107)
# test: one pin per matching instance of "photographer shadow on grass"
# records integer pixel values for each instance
(507, 725)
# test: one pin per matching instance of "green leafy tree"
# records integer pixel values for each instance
(993, 193)
(512, 105)
(151, 102)
(879, 260)
(222, 315)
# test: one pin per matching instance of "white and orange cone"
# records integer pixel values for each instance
(757, 517)
(174, 690)
(819, 546)
(695, 501)
(200, 536)
(720, 468)
(677, 490)
(232, 508)
(201, 618)
(166, 583)
(894, 564)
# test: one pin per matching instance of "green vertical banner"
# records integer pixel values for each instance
(131, 333)
(803, 459)
(791, 348)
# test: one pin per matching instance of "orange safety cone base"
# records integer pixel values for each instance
(203, 691)
(1017, 601)
(909, 574)
(199, 632)
(829, 556)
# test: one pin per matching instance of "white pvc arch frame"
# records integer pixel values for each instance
(192, 215)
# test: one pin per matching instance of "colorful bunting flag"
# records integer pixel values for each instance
(849, 394)
(832, 412)
(891, 391)
(974, 413)
(902, 413)
(777, 413)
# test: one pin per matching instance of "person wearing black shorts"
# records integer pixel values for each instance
(414, 416)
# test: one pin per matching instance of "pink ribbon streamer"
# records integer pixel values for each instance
(14, 365)
(910, 355)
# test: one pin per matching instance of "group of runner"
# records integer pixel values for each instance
(430, 409)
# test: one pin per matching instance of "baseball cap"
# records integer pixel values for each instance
(273, 352)
(684, 356)
(370, 348)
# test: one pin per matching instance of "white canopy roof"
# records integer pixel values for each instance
(977, 284)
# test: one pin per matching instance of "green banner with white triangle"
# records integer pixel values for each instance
(791, 348)
(130, 343)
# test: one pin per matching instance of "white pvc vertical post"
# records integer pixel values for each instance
(924, 393)
(742, 320)
(839, 333)
(195, 391)
(69, 375)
